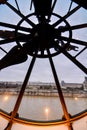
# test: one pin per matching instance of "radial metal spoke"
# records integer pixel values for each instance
(53, 5)
(66, 16)
(72, 12)
(20, 14)
(80, 52)
(24, 86)
(14, 27)
(70, 6)
(11, 34)
(82, 3)
(76, 62)
(66, 114)
(20, 38)
(73, 59)
(3, 50)
(80, 26)
(9, 40)
(7, 34)
(19, 99)
(17, 5)
(79, 42)
(49, 17)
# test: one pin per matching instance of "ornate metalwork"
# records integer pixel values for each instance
(41, 39)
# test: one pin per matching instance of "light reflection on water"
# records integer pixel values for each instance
(42, 108)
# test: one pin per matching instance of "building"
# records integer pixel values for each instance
(85, 84)
(72, 86)
(45, 86)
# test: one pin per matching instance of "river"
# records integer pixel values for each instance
(42, 108)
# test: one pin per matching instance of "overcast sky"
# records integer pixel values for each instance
(66, 70)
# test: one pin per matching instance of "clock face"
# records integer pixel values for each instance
(43, 46)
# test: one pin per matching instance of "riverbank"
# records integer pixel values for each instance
(45, 93)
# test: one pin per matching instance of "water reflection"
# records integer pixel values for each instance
(76, 98)
(42, 108)
(6, 97)
(47, 112)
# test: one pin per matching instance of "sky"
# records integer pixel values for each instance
(41, 72)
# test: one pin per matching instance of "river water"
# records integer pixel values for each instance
(42, 108)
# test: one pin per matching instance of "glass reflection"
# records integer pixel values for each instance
(47, 113)
(6, 98)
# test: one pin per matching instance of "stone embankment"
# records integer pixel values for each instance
(44, 93)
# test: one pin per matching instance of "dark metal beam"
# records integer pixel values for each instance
(19, 99)
(11, 26)
(66, 16)
(82, 3)
(73, 59)
(20, 14)
(75, 41)
(63, 104)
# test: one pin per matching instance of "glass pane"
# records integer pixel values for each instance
(3, 123)
(80, 124)
(41, 99)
